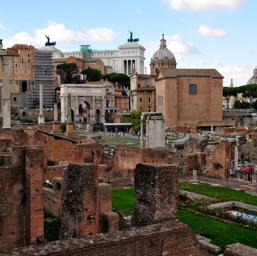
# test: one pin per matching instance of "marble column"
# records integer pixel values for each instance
(6, 103)
(55, 112)
(41, 118)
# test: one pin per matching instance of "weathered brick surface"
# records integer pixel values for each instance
(171, 238)
(239, 250)
(126, 158)
(80, 206)
(21, 199)
(105, 197)
(109, 222)
(34, 193)
(156, 192)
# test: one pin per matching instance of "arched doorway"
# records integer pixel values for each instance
(24, 86)
(98, 116)
(84, 112)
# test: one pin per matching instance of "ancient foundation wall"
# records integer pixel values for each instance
(21, 198)
(171, 238)
(126, 159)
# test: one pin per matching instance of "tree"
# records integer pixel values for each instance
(135, 118)
(121, 79)
(92, 74)
(67, 72)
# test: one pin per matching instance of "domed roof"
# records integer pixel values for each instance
(163, 51)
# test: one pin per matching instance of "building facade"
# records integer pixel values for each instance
(185, 97)
(26, 71)
(127, 59)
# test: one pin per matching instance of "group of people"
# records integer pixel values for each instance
(245, 170)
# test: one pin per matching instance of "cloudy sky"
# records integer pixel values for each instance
(217, 34)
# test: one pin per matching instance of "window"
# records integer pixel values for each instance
(140, 99)
(193, 89)
(160, 100)
(149, 100)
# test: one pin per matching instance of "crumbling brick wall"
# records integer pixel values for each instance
(171, 238)
(156, 192)
(80, 206)
(126, 159)
(21, 198)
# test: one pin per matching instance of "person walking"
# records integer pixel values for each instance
(248, 171)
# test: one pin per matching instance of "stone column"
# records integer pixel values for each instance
(142, 130)
(103, 110)
(41, 118)
(69, 108)
(236, 155)
(6, 104)
(76, 112)
(55, 113)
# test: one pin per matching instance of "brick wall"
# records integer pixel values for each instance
(156, 193)
(171, 238)
(21, 198)
(80, 205)
(126, 158)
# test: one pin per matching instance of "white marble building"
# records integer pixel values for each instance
(127, 59)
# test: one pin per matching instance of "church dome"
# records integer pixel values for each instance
(163, 51)
(162, 58)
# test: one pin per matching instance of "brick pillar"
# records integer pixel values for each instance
(56, 127)
(69, 127)
(80, 207)
(34, 158)
(156, 192)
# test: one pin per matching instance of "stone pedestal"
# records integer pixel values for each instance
(156, 190)
(69, 127)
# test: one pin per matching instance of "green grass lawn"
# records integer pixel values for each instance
(220, 232)
(221, 193)
(120, 140)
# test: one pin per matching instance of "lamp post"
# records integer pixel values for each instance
(227, 171)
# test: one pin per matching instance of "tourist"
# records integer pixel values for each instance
(249, 171)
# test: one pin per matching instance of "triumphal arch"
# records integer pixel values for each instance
(86, 102)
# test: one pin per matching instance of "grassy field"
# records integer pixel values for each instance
(219, 231)
(120, 140)
(220, 193)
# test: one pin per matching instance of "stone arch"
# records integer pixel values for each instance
(98, 116)
(84, 111)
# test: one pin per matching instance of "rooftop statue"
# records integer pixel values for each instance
(131, 38)
(48, 43)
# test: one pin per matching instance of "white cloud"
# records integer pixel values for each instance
(239, 74)
(203, 5)
(62, 35)
(138, 11)
(175, 44)
(208, 31)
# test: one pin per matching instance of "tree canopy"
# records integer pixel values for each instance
(248, 91)
(67, 72)
(92, 74)
(121, 79)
